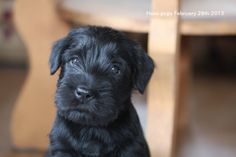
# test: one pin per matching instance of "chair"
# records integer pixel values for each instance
(39, 26)
(34, 111)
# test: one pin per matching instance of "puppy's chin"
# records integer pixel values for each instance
(99, 111)
(84, 117)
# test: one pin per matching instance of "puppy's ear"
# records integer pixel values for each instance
(144, 67)
(55, 57)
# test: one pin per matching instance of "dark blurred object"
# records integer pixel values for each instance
(12, 51)
(214, 55)
(6, 20)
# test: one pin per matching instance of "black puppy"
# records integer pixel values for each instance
(95, 117)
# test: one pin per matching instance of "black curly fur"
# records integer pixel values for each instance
(110, 65)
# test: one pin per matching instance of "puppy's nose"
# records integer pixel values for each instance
(82, 94)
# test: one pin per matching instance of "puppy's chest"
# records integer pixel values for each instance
(93, 142)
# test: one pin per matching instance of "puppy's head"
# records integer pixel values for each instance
(99, 69)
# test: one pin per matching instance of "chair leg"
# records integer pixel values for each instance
(162, 93)
(39, 26)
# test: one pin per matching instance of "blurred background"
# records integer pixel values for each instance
(209, 128)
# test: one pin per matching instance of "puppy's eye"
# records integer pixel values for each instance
(115, 69)
(74, 61)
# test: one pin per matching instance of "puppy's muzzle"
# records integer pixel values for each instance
(83, 94)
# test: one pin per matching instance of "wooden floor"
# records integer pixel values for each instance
(211, 131)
